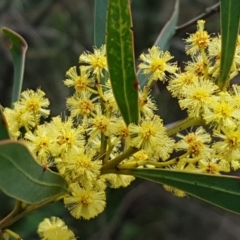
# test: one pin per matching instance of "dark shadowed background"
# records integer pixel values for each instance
(57, 32)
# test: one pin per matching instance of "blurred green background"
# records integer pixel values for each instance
(57, 32)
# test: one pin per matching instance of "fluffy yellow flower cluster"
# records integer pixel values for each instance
(94, 135)
(216, 148)
(54, 229)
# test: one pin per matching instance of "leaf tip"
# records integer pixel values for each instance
(15, 38)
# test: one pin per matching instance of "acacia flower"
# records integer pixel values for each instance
(156, 64)
(81, 81)
(40, 143)
(235, 165)
(237, 53)
(228, 145)
(175, 191)
(186, 163)
(195, 143)
(166, 145)
(110, 102)
(99, 184)
(80, 167)
(85, 203)
(148, 134)
(180, 80)
(196, 66)
(197, 97)
(139, 156)
(197, 41)
(236, 95)
(119, 180)
(222, 113)
(99, 123)
(225, 165)
(214, 49)
(147, 106)
(209, 166)
(66, 137)
(35, 102)
(80, 104)
(17, 118)
(119, 129)
(97, 60)
(54, 229)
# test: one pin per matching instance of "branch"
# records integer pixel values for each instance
(208, 12)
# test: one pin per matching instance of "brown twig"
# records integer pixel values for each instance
(208, 12)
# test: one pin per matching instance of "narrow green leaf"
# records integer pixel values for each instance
(18, 50)
(100, 16)
(164, 38)
(22, 178)
(222, 191)
(230, 15)
(120, 58)
(4, 134)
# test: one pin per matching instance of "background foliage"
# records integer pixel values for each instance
(57, 32)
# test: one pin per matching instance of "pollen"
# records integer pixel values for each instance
(96, 61)
(158, 65)
(86, 200)
(190, 138)
(80, 83)
(224, 110)
(68, 139)
(148, 131)
(84, 163)
(33, 104)
(99, 62)
(86, 107)
(233, 140)
(44, 142)
(201, 39)
(199, 68)
(212, 168)
(195, 146)
(200, 94)
(101, 123)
